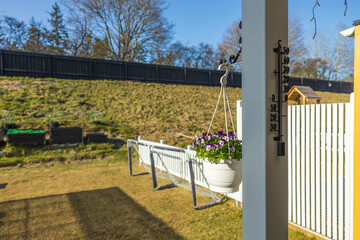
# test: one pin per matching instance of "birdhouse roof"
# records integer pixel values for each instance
(302, 91)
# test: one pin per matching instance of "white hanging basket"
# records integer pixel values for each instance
(224, 177)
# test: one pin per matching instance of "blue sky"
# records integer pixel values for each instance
(206, 20)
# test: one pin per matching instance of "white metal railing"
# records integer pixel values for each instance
(176, 164)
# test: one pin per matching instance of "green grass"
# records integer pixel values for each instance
(99, 200)
(173, 113)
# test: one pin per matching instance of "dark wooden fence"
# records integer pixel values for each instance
(39, 65)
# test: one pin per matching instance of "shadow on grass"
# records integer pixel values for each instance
(118, 142)
(97, 214)
(3, 185)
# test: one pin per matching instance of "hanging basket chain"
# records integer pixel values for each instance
(232, 122)
(223, 92)
(217, 104)
(226, 127)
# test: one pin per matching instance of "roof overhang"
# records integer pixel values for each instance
(350, 32)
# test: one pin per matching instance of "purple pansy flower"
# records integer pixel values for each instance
(216, 136)
(203, 140)
(233, 137)
(208, 147)
(216, 146)
(222, 142)
(209, 137)
(232, 149)
(225, 138)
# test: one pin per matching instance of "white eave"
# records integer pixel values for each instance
(348, 32)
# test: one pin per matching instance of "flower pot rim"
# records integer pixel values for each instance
(225, 161)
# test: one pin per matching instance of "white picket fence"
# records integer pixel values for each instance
(320, 140)
(320, 154)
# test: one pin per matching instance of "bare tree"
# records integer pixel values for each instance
(344, 62)
(131, 27)
(298, 51)
(331, 58)
(205, 57)
(12, 34)
(200, 56)
(230, 43)
(80, 22)
(336, 51)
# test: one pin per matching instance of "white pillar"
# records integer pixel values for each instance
(264, 173)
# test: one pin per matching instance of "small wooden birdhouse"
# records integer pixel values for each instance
(302, 94)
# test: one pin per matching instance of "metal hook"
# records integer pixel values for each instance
(223, 79)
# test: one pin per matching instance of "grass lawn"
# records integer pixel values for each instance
(98, 200)
(154, 111)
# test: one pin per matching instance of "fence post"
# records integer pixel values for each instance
(232, 79)
(49, 64)
(192, 182)
(153, 172)
(90, 71)
(185, 75)
(139, 139)
(126, 71)
(157, 73)
(210, 78)
(340, 87)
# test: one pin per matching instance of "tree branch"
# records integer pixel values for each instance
(314, 18)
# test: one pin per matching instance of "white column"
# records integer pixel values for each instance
(265, 175)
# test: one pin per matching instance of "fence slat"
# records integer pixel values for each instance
(318, 167)
(298, 196)
(341, 171)
(313, 166)
(307, 164)
(302, 164)
(334, 171)
(323, 170)
(294, 163)
(328, 172)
